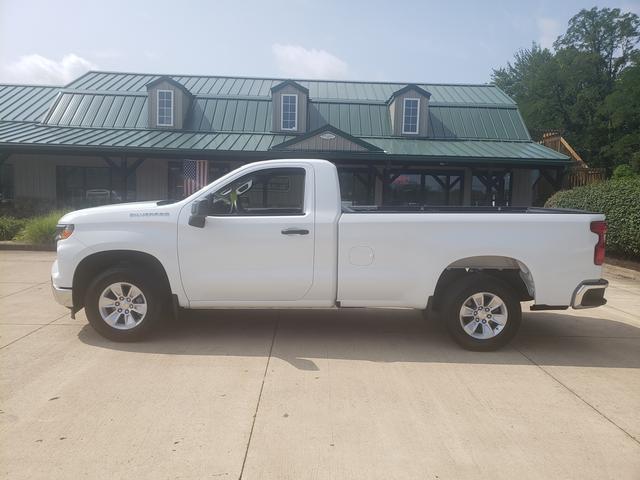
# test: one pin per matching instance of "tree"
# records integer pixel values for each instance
(556, 92)
(587, 89)
(621, 110)
(607, 33)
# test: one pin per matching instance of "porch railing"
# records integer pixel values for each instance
(579, 176)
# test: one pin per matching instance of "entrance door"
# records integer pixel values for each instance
(258, 242)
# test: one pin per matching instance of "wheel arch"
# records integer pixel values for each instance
(509, 270)
(96, 263)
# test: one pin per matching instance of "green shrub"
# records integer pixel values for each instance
(619, 200)
(9, 227)
(40, 230)
(622, 171)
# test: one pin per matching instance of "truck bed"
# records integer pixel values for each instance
(392, 253)
(458, 209)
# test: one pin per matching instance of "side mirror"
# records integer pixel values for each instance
(199, 212)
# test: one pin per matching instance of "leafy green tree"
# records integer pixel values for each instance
(557, 92)
(587, 89)
(607, 33)
(621, 111)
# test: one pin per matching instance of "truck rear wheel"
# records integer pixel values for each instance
(123, 304)
(482, 313)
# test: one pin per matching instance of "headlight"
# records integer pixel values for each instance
(63, 231)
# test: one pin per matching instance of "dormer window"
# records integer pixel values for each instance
(411, 116)
(409, 111)
(289, 112)
(165, 108)
(289, 108)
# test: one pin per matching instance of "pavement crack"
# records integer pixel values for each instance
(577, 395)
(33, 331)
(21, 290)
(255, 415)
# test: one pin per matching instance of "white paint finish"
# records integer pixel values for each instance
(277, 274)
(412, 251)
(246, 262)
(361, 256)
(248, 258)
(141, 227)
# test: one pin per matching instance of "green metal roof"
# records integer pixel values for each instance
(25, 103)
(98, 110)
(254, 115)
(318, 89)
(105, 110)
(33, 134)
(467, 149)
(24, 134)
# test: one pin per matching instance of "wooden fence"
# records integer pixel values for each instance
(579, 176)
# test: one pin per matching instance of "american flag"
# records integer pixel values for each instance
(195, 175)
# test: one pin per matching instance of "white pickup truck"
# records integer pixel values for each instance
(274, 234)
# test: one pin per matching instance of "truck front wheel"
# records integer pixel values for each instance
(123, 304)
(482, 313)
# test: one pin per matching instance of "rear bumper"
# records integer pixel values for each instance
(64, 296)
(589, 294)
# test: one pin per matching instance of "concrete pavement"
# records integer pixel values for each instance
(314, 394)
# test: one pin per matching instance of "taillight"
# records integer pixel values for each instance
(599, 228)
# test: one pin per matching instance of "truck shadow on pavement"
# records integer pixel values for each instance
(307, 338)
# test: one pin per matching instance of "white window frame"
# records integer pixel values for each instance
(295, 123)
(170, 124)
(404, 106)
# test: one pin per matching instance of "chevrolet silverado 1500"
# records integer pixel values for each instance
(275, 234)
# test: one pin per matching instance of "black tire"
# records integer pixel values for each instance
(151, 291)
(460, 291)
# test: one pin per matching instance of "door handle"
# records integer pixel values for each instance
(295, 231)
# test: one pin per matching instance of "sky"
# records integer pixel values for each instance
(448, 41)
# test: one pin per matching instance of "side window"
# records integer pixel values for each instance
(274, 191)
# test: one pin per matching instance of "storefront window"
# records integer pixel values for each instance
(80, 187)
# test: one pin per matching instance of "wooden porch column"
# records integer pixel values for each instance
(124, 171)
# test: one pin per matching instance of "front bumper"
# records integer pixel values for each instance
(64, 296)
(589, 294)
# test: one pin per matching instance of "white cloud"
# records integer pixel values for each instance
(549, 30)
(297, 61)
(38, 69)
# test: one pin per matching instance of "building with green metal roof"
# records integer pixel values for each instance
(111, 136)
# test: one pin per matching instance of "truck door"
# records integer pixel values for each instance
(257, 243)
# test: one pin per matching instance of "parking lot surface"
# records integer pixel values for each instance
(341, 394)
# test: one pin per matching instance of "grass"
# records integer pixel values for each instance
(40, 230)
